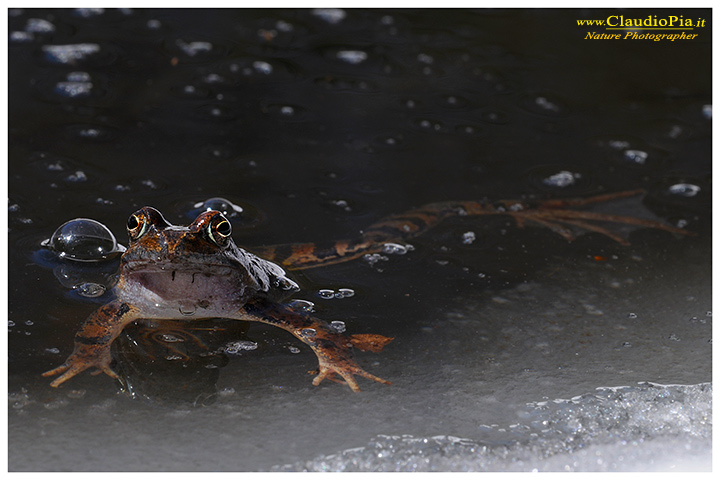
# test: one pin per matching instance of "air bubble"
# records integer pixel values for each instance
(352, 56)
(284, 26)
(345, 293)
(546, 104)
(90, 290)
(212, 78)
(78, 176)
(425, 58)
(373, 258)
(637, 157)
(235, 348)
(342, 204)
(38, 25)
(468, 238)
(707, 111)
(394, 249)
(263, 67)
(88, 12)
(193, 48)
(302, 306)
(561, 179)
(632, 315)
(170, 338)
(684, 189)
(326, 293)
(20, 37)
(78, 77)
(83, 239)
(293, 349)
(337, 326)
(73, 89)
(330, 15)
(308, 332)
(70, 54)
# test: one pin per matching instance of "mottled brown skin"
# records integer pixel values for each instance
(195, 272)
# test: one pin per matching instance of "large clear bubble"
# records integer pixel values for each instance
(85, 240)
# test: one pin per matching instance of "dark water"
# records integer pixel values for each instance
(318, 124)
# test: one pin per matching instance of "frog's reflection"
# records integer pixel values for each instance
(174, 361)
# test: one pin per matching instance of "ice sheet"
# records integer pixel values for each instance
(648, 427)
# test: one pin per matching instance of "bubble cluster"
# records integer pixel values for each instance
(70, 54)
(237, 347)
(396, 249)
(327, 294)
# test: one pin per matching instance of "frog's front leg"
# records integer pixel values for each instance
(93, 340)
(331, 348)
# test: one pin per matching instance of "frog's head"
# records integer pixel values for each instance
(157, 244)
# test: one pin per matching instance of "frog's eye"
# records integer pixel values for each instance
(219, 231)
(137, 225)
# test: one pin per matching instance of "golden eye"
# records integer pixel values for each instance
(219, 231)
(136, 225)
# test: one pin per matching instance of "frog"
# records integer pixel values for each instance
(173, 272)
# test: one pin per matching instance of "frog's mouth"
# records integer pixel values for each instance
(169, 267)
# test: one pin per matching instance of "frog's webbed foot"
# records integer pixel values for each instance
(346, 370)
(84, 357)
(92, 342)
(558, 217)
(333, 350)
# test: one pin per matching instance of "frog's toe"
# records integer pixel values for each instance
(347, 372)
(328, 373)
(68, 371)
(106, 370)
(373, 377)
